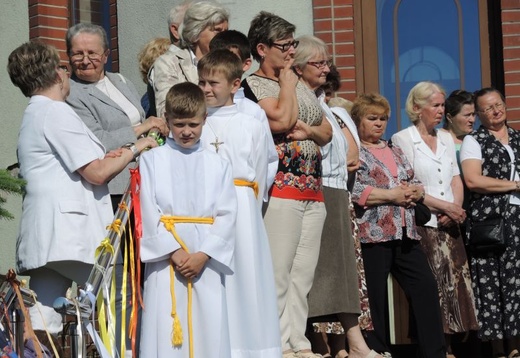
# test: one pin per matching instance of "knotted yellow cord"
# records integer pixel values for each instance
(105, 246)
(169, 223)
(251, 184)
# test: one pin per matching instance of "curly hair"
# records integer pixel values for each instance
(32, 67)
(149, 53)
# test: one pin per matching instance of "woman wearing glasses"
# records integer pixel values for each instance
(107, 102)
(295, 213)
(490, 163)
(335, 291)
(432, 155)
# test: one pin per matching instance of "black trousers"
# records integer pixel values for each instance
(407, 263)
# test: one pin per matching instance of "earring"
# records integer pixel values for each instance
(61, 84)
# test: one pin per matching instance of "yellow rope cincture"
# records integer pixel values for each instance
(251, 184)
(169, 223)
(130, 243)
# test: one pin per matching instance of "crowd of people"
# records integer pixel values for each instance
(275, 211)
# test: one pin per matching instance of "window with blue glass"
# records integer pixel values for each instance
(422, 40)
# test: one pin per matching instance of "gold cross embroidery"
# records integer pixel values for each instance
(217, 144)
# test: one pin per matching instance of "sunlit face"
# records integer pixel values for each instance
(372, 125)
(186, 132)
(87, 57)
(205, 37)
(431, 114)
(462, 122)
(492, 110)
(314, 74)
(275, 57)
(217, 89)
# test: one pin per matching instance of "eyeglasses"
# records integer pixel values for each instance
(93, 57)
(286, 46)
(497, 106)
(320, 64)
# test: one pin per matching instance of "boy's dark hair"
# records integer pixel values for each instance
(185, 100)
(223, 61)
(232, 40)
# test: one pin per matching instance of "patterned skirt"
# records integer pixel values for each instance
(496, 283)
(444, 249)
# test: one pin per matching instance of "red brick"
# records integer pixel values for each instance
(344, 24)
(511, 16)
(344, 36)
(511, 41)
(511, 28)
(344, 49)
(344, 61)
(343, 11)
(47, 32)
(316, 3)
(512, 65)
(322, 25)
(325, 36)
(322, 13)
(512, 53)
(40, 9)
(49, 22)
(512, 90)
(58, 43)
(510, 4)
(512, 77)
(63, 3)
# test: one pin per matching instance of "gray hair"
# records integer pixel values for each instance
(309, 47)
(198, 17)
(86, 28)
(267, 28)
(420, 95)
(177, 12)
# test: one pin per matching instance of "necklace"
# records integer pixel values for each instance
(216, 142)
(378, 145)
(504, 136)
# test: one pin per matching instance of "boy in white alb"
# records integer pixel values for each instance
(238, 43)
(189, 209)
(244, 142)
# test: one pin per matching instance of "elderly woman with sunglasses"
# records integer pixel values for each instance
(296, 212)
(66, 207)
(490, 162)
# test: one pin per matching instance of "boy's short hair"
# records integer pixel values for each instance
(223, 61)
(232, 40)
(185, 100)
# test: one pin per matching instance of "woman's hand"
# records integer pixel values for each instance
(152, 122)
(402, 196)
(444, 221)
(417, 192)
(455, 212)
(287, 75)
(300, 131)
(145, 143)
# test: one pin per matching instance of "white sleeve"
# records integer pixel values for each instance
(470, 149)
(447, 139)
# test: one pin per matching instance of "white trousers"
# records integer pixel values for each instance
(294, 229)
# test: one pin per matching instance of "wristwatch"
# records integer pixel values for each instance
(132, 148)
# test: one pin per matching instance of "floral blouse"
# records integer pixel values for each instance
(299, 162)
(384, 222)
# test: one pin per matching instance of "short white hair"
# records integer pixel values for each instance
(198, 17)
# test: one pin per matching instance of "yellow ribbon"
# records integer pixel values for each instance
(169, 223)
(106, 336)
(251, 184)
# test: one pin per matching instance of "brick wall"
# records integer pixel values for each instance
(50, 19)
(334, 24)
(511, 42)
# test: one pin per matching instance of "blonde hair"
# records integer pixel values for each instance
(149, 53)
(341, 102)
(420, 96)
